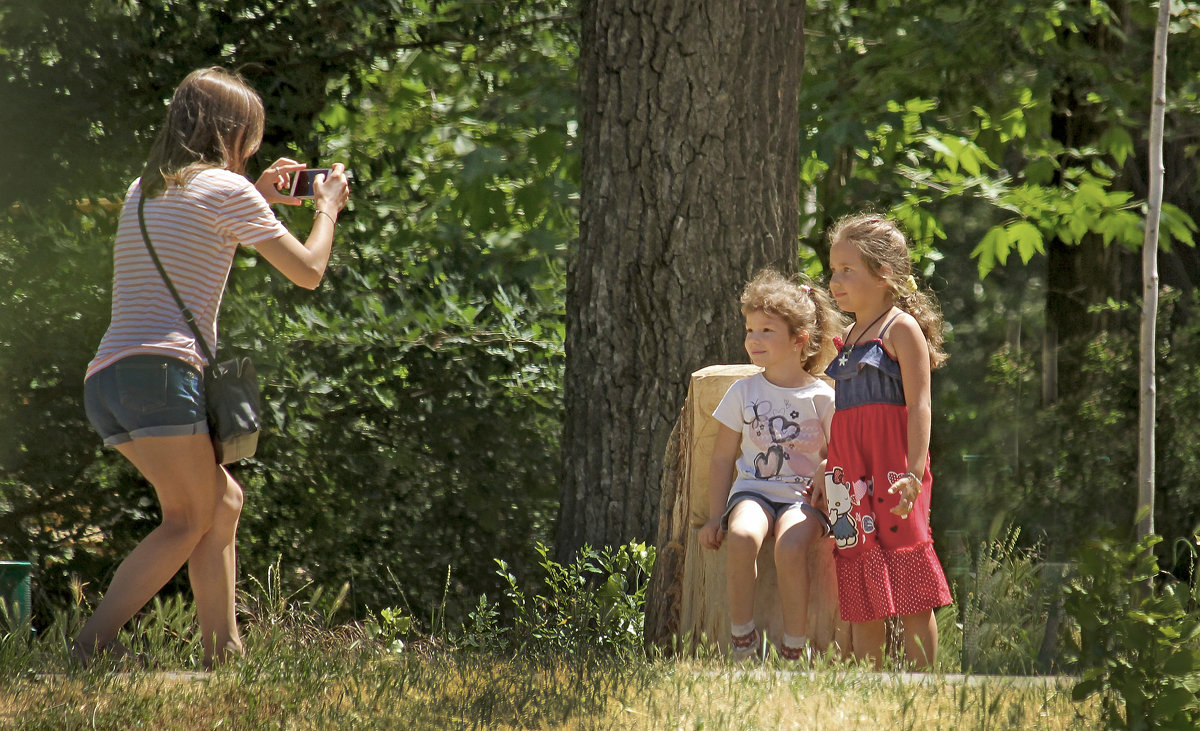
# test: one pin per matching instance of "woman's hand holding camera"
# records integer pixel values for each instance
(329, 192)
(275, 183)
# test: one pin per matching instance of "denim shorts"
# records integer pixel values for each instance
(773, 509)
(145, 396)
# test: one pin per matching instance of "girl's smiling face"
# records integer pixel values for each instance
(769, 340)
(851, 282)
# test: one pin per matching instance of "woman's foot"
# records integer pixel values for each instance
(113, 651)
(231, 652)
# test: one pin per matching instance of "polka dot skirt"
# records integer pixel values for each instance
(881, 583)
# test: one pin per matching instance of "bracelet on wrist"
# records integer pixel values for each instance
(914, 476)
(326, 215)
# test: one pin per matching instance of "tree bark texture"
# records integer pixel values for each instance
(689, 147)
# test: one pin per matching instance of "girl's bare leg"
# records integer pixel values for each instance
(190, 487)
(794, 536)
(748, 528)
(867, 639)
(920, 639)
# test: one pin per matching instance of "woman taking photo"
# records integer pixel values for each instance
(144, 390)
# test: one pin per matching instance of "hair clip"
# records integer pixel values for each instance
(805, 288)
(910, 285)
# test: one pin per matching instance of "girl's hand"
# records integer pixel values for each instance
(816, 496)
(331, 193)
(909, 487)
(711, 534)
(275, 183)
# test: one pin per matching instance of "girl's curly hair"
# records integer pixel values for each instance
(805, 309)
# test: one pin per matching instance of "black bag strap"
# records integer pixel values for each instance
(188, 317)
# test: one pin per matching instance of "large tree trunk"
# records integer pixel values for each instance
(690, 183)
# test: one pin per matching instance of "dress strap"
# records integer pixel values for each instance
(888, 324)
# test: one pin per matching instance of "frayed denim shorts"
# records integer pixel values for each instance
(145, 396)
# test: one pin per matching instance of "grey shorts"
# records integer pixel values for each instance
(774, 509)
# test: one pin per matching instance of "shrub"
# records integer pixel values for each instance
(595, 603)
(1138, 647)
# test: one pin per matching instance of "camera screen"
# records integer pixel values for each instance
(302, 187)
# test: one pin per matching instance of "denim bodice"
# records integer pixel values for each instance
(868, 376)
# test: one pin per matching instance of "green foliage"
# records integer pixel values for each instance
(413, 401)
(1005, 600)
(1045, 137)
(1139, 648)
(1065, 471)
(596, 603)
(422, 392)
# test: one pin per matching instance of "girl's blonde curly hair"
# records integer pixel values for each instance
(805, 309)
(884, 249)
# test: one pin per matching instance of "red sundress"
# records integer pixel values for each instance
(886, 565)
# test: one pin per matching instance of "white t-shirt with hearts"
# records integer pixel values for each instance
(785, 435)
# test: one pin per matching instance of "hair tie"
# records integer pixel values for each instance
(909, 286)
(805, 288)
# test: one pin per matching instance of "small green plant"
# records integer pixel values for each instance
(389, 628)
(1138, 647)
(1006, 601)
(595, 603)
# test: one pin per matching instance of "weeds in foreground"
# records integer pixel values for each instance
(309, 677)
(1139, 636)
(558, 652)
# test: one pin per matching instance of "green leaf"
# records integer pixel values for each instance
(1084, 689)
(1028, 238)
(1117, 142)
(1182, 662)
(986, 250)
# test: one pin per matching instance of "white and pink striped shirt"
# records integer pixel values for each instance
(196, 230)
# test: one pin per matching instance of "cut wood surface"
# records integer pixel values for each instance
(687, 601)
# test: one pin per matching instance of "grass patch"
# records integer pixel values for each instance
(564, 653)
(308, 677)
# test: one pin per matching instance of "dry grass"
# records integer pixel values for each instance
(338, 684)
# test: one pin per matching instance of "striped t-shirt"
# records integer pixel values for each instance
(196, 230)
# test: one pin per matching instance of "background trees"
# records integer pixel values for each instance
(690, 184)
(417, 398)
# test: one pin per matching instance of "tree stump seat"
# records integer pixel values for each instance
(686, 601)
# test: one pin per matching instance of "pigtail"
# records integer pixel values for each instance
(924, 309)
(828, 322)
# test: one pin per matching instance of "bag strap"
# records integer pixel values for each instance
(188, 317)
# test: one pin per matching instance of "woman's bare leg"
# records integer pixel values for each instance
(212, 571)
(189, 485)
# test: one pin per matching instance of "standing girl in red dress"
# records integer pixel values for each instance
(877, 478)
